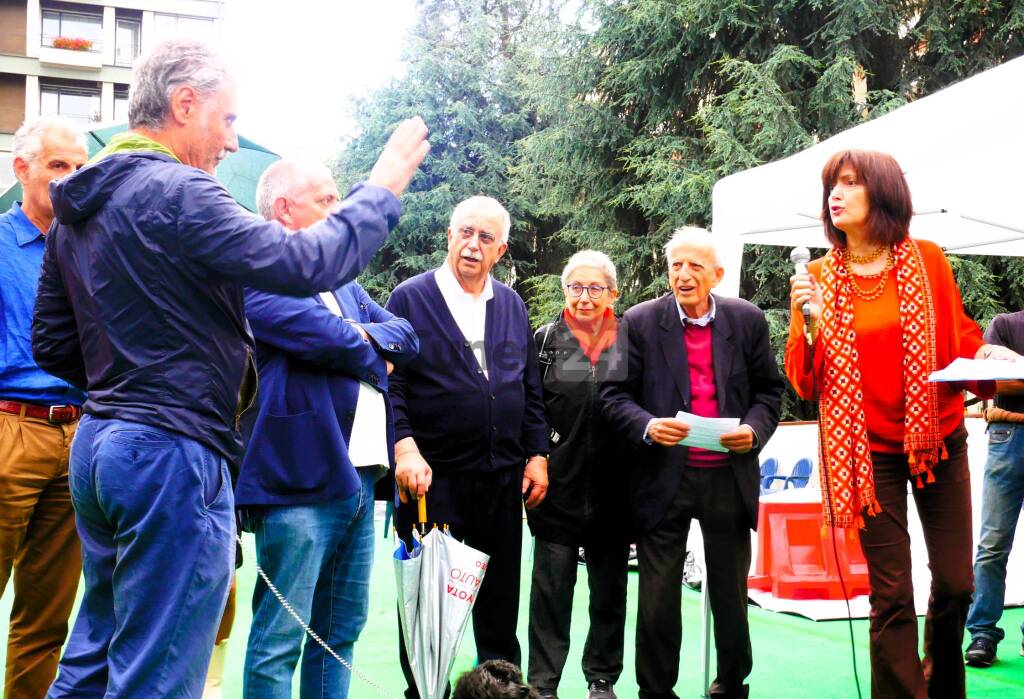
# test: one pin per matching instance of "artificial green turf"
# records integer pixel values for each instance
(794, 658)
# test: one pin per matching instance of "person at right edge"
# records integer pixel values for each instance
(1002, 496)
(885, 312)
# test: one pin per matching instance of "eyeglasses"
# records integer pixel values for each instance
(594, 291)
(467, 232)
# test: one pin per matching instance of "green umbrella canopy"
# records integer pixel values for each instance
(239, 172)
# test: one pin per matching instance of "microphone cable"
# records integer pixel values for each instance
(823, 468)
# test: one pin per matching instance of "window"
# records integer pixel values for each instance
(126, 42)
(121, 104)
(178, 25)
(72, 25)
(80, 104)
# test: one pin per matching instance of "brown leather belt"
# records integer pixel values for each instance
(56, 414)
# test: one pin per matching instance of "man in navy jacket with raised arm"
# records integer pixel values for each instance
(323, 436)
(140, 302)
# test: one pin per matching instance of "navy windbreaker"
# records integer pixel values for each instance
(140, 294)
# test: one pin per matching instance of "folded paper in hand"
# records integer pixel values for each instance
(706, 432)
(979, 370)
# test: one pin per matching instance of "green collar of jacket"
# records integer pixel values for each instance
(129, 141)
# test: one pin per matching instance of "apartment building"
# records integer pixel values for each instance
(75, 58)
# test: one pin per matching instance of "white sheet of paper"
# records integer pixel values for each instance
(368, 445)
(979, 370)
(706, 432)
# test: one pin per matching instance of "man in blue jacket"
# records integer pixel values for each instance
(469, 415)
(140, 301)
(323, 436)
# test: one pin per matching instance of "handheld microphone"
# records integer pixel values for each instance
(800, 257)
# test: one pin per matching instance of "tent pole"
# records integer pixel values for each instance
(705, 637)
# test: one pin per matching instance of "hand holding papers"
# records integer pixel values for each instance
(706, 432)
(979, 370)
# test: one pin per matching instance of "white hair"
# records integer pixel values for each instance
(28, 139)
(472, 204)
(168, 66)
(591, 258)
(282, 178)
(692, 235)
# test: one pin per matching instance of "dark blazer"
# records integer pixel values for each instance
(657, 384)
(310, 363)
(461, 419)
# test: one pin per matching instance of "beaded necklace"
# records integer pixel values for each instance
(877, 290)
(865, 259)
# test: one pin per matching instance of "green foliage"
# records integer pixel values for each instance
(464, 58)
(610, 130)
(979, 287)
(640, 116)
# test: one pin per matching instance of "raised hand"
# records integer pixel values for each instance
(402, 154)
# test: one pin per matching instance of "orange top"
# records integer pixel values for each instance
(879, 347)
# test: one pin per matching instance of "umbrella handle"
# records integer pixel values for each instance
(422, 507)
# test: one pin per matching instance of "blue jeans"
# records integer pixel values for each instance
(1001, 499)
(319, 556)
(155, 514)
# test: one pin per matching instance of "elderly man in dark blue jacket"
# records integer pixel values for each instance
(140, 302)
(323, 437)
(469, 415)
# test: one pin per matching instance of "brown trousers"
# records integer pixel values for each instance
(944, 507)
(38, 540)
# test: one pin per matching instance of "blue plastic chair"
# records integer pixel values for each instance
(769, 473)
(800, 475)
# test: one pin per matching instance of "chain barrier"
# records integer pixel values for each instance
(305, 627)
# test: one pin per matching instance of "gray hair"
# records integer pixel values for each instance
(28, 139)
(168, 66)
(692, 235)
(482, 202)
(280, 179)
(591, 258)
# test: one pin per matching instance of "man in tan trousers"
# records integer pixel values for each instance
(38, 416)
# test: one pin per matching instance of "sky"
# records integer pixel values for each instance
(300, 63)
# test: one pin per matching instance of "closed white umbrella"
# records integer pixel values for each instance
(438, 582)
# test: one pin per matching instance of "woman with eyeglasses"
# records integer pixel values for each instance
(582, 508)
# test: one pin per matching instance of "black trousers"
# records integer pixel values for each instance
(485, 511)
(551, 592)
(711, 496)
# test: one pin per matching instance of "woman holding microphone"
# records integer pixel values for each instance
(885, 312)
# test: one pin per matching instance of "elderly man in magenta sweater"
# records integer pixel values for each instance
(469, 415)
(708, 356)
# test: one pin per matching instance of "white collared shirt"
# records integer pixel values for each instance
(705, 319)
(368, 443)
(470, 313)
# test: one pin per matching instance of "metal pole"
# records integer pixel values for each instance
(705, 636)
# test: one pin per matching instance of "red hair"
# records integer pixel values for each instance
(888, 195)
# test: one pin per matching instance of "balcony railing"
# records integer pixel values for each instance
(71, 43)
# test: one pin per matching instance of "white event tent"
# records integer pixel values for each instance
(962, 150)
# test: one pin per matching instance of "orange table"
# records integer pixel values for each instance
(795, 554)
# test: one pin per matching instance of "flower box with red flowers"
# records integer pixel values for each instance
(72, 43)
